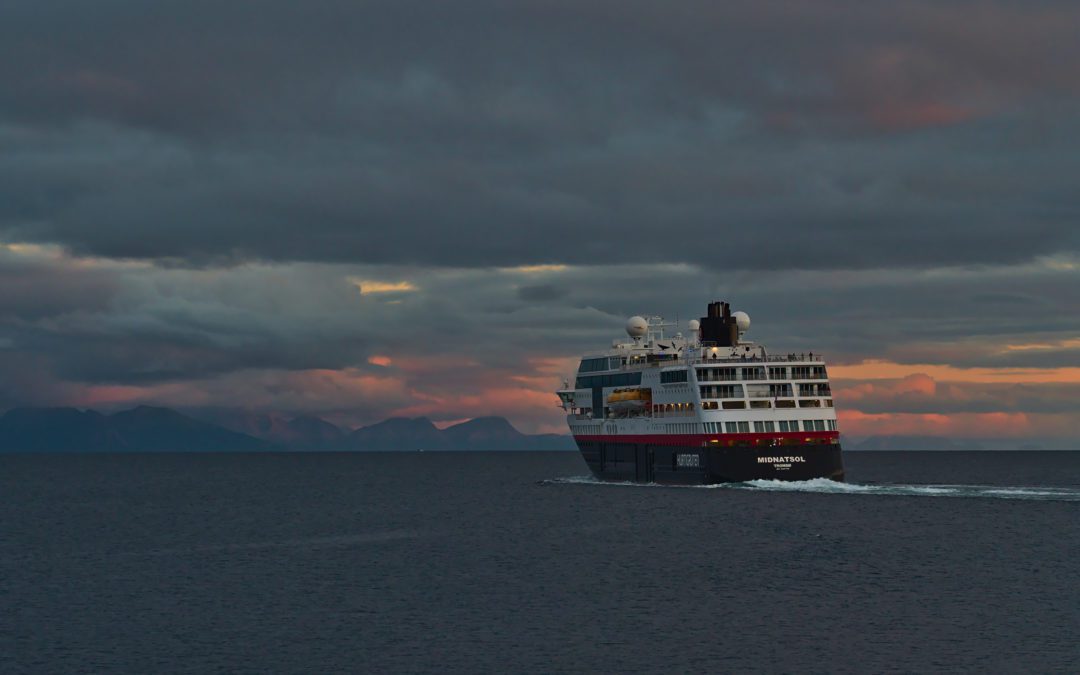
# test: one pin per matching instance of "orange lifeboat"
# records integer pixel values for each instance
(627, 400)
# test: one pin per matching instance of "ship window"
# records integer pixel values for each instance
(819, 425)
(734, 405)
(760, 404)
(744, 427)
(717, 374)
(770, 427)
(815, 389)
(759, 427)
(671, 376)
(783, 425)
(780, 390)
(731, 427)
(777, 373)
(613, 380)
(721, 391)
(809, 403)
(832, 425)
(593, 365)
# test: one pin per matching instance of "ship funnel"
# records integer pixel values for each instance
(719, 328)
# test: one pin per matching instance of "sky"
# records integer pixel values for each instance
(370, 209)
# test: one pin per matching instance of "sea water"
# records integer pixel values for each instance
(514, 562)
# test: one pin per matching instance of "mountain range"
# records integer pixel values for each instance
(153, 429)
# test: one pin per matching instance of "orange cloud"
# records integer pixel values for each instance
(1032, 346)
(888, 370)
(374, 286)
(984, 425)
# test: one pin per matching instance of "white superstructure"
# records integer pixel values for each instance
(696, 386)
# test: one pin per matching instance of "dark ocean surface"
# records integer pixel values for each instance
(516, 562)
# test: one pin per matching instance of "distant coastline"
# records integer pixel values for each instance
(155, 429)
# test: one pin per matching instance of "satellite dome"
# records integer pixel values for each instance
(637, 326)
(742, 320)
(694, 325)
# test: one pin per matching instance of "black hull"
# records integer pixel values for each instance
(703, 465)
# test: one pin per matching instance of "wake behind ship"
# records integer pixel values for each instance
(708, 408)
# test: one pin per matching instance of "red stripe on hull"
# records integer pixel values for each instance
(695, 440)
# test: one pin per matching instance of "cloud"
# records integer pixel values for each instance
(541, 293)
(364, 209)
(464, 343)
(543, 134)
(922, 394)
(370, 286)
(996, 425)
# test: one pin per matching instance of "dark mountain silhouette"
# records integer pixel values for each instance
(152, 429)
(142, 429)
(397, 433)
(315, 432)
(305, 432)
(149, 429)
(482, 433)
(496, 433)
(52, 429)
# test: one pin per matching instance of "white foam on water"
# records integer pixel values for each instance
(826, 486)
(593, 480)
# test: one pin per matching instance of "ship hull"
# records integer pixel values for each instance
(641, 461)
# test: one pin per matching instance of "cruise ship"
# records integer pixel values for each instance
(707, 407)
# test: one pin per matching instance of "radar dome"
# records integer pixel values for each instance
(742, 320)
(637, 326)
(694, 325)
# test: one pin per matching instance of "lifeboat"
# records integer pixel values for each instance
(626, 400)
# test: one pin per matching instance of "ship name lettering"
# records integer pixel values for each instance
(781, 460)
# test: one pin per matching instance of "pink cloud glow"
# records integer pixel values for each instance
(962, 425)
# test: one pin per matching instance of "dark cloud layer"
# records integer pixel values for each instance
(480, 133)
